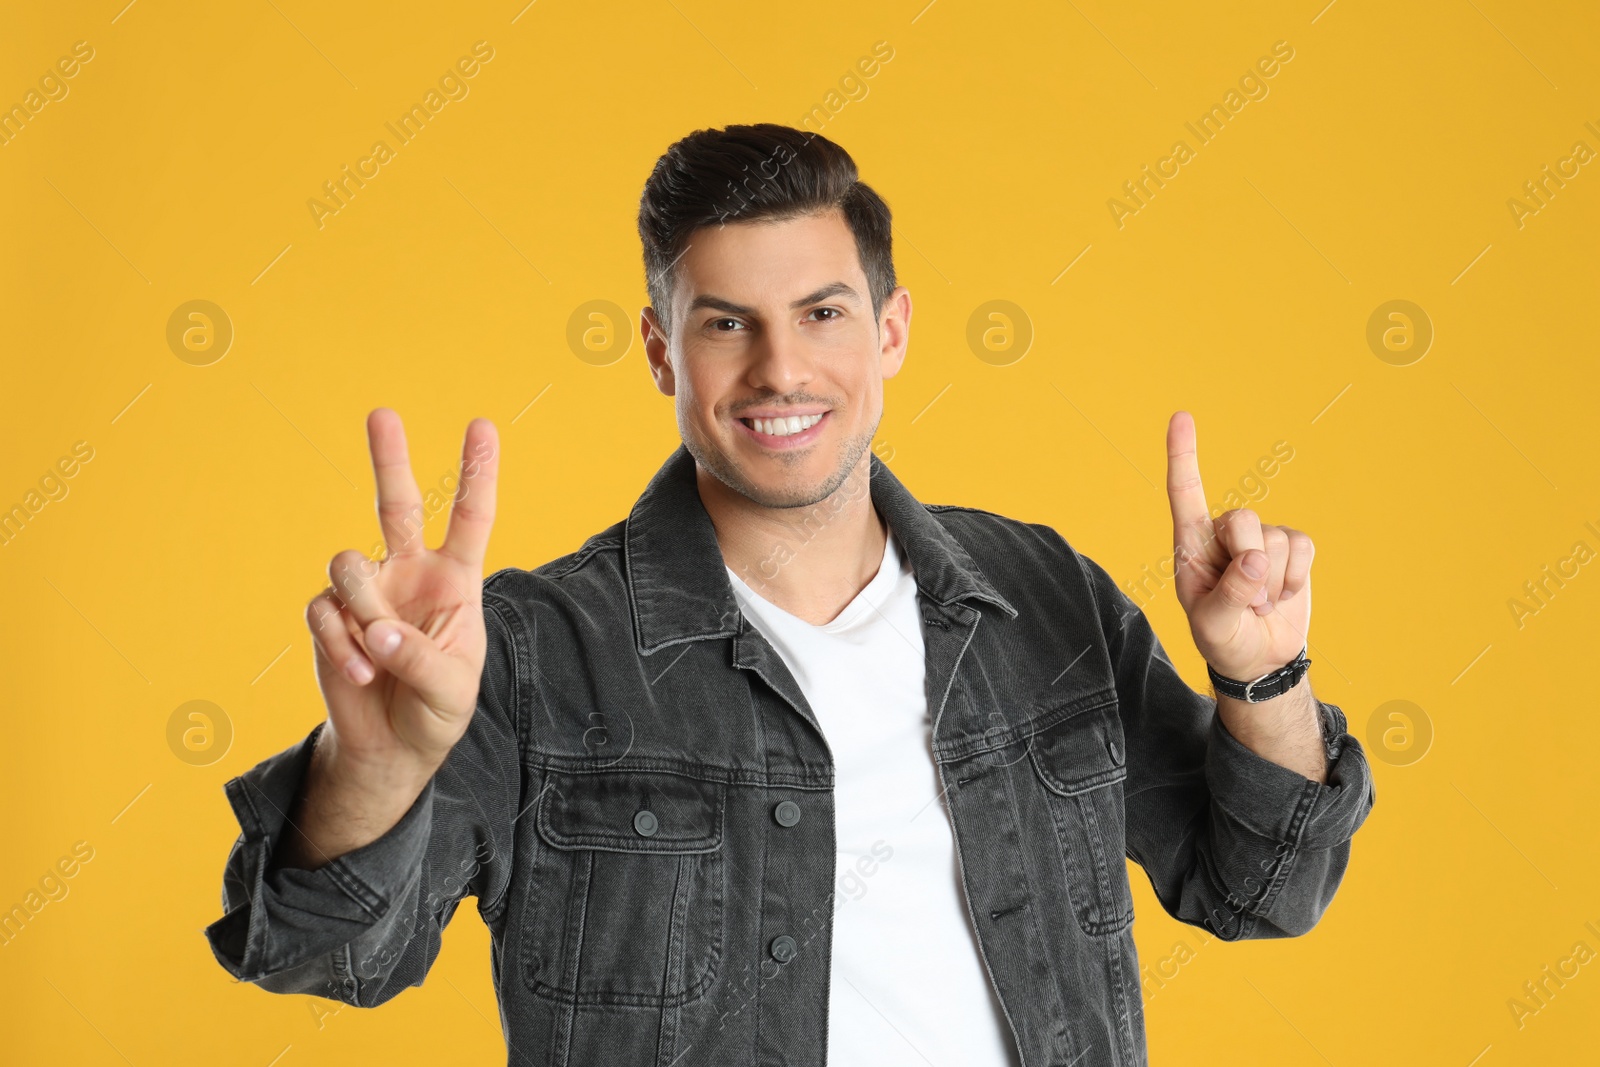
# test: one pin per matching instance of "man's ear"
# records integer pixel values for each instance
(657, 351)
(894, 331)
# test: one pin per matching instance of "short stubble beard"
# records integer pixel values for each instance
(726, 471)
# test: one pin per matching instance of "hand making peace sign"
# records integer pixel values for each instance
(402, 707)
(1245, 586)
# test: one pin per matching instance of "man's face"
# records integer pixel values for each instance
(772, 320)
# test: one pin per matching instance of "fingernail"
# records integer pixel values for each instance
(359, 670)
(1254, 565)
(388, 640)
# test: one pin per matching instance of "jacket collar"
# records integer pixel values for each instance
(678, 586)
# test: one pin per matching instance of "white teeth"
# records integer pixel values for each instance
(784, 427)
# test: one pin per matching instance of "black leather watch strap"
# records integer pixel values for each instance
(1269, 685)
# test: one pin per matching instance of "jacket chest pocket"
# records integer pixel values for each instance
(625, 906)
(1081, 763)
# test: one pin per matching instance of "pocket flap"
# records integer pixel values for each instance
(631, 811)
(1082, 751)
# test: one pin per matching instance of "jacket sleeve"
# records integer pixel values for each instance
(367, 925)
(1231, 841)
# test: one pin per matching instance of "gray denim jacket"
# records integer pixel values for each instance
(614, 807)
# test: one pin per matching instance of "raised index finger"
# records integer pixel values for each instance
(473, 513)
(1184, 490)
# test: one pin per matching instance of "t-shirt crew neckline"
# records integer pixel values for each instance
(872, 596)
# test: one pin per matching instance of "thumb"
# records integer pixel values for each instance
(1244, 579)
(411, 656)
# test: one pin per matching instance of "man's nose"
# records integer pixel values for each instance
(780, 360)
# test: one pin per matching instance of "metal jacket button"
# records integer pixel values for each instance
(787, 813)
(1116, 751)
(784, 948)
(646, 823)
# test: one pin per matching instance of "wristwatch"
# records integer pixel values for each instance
(1269, 685)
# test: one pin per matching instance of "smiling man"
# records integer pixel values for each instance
(788, 767)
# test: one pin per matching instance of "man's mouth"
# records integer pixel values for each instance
(783, 426)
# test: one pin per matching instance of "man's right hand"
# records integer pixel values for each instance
(400, 648)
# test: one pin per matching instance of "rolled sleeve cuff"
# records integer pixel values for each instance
(1284, 805)
(278, 919)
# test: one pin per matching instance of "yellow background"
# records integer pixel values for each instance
(1378, 167)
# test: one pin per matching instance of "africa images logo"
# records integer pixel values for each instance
(452, 86)
(1252, 86)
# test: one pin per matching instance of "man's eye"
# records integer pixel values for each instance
(834, 313)
(718, 325)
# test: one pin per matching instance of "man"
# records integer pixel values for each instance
(788, 767)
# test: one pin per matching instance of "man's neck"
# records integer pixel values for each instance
(811, 561)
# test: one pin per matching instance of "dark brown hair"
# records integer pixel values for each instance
(744, 173)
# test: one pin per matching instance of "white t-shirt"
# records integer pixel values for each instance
(908, 986)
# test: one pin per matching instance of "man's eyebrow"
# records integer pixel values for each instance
(717, 303)
(831, 289)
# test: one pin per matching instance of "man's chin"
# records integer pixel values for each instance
(788, 497)
(783, 487)
(778, 480)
